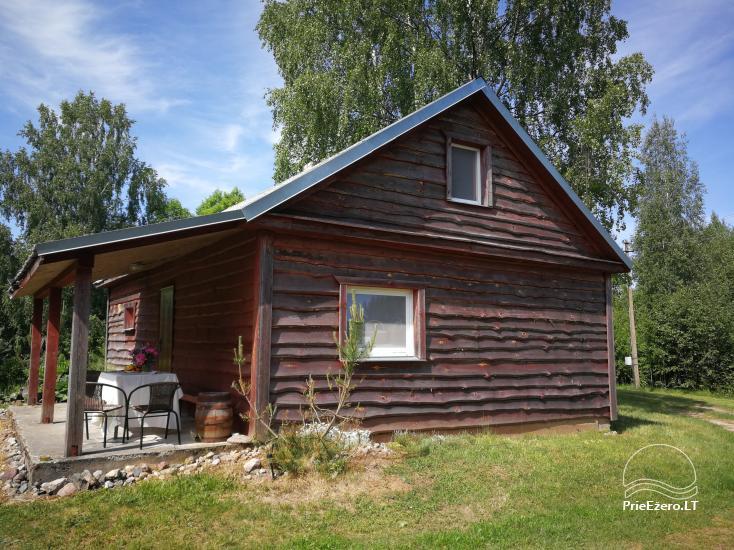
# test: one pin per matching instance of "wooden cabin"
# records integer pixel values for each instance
(484, 277)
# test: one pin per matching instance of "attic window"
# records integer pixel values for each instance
(468, 173)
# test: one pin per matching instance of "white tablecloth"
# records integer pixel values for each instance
(128, 381)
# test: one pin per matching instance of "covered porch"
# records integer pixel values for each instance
(56, 430)
(44, 450)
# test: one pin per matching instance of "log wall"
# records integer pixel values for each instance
(212, 307)
(506, 344)
(403, 187)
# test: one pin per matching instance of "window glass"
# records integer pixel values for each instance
(388, 317)
(464, 173)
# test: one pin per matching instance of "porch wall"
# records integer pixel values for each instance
(213, 300)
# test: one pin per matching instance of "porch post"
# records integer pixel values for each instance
(52, 354)
(35, 362)
(262, 327)
(78, 359)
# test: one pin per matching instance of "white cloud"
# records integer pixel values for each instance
(51, 49)
(691, 46)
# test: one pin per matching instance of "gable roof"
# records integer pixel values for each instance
(267, 201)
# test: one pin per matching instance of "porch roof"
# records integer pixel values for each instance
(119, 252)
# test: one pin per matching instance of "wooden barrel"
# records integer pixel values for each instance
(213, 417)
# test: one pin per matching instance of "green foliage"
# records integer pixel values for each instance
(352, 67)
(299, 453)
(410, 444)
(685, 273)
(219, 201)
(172, 210)
(78, 174)
(14, 327)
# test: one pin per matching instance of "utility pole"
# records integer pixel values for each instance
(633, 330)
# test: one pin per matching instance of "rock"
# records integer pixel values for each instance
(98, 474)
(8, 474)
(50, 487)
(161, 465)
(239, 439)
(262, 471)
(119, 483)
(251, 464)
(67, 490)
(20, 476)
(129, 468)
(210, 454)
(189, 460)
(112, 475)
(23, 487)
(611, 432)
(145, 468)
(89, 479)
(136, 472)
(130, 480)
(215, 462)
(108, 484)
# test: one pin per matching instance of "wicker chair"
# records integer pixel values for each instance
(160, 403)
(94, 405)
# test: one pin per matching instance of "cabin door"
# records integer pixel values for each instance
(165, 332)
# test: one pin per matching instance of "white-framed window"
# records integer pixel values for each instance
(388, 314)
(465, 174)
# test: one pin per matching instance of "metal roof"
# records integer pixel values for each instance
(267, 201)
(260, 204)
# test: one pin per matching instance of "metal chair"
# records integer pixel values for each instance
(159, 404)
(94, 405)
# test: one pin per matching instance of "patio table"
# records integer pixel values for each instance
(128, 381)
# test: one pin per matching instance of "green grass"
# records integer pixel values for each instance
(465, 492)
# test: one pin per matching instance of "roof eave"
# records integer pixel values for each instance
(555, 174)
(51, 248)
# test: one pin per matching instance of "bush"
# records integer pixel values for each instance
(298, 453)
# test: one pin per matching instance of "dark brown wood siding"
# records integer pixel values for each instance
(212, 307)
(506, 343)
(403, 187)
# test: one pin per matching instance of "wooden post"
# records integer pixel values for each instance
(53, 326)
(35, 362)
(78, 359)
(633, 328)
(262, 325)
(610, 350)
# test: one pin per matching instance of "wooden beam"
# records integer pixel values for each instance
(53, 327)
(610, 351)
(78, 359)
(35, 361)
(262, 327)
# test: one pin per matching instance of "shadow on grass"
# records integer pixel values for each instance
(650, 402)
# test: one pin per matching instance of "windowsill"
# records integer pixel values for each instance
(397, 359)
(465, 201)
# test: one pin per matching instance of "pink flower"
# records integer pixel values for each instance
(140, 359)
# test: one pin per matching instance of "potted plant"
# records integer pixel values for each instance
(144, 358)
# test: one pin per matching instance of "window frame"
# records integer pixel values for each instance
(483, 169)
(415, 314)
(129, 314)
(477, 175)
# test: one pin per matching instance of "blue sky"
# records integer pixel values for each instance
(193, 76)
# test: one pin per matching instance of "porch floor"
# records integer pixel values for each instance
(43, 445)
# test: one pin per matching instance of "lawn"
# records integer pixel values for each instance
(462, 492)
